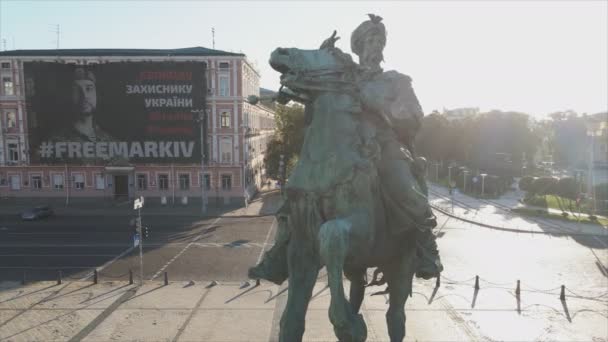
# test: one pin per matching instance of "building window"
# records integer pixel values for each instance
(224, 66)
(13, 152)
(7, 86)
(226, 150)
(163, 182)
(142, 182)
(11, 119)
(207, 181)
(184, 181)
(224, 85)
(15, 181)
(79, 181)
(99, 181)
(37, 182)
(225, 119)
(6, 65)
(58, 182)
(226, 182)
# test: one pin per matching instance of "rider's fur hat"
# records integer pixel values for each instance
(373, 25)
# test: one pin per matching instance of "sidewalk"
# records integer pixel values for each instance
(266, 202)
(496, 212)
(183, 311)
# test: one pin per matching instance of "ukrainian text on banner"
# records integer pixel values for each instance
(113, 112)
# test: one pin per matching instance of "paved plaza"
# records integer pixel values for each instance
(187, 311)
(209, 298)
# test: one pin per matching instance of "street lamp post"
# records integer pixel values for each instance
(245, 157)
(202, 116)
(591, 180)
(450, 176)
(483, 178)
(281, 170)
(436, 172)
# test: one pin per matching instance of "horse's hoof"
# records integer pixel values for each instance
(354, 331)
(359, 329)
(261, 271)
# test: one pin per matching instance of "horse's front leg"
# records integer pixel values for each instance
(303, 269)
(334, 244)
(357, 288)
(400, 275)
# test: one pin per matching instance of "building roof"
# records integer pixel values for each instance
(190, 51)
(602, 116)
(267, 92)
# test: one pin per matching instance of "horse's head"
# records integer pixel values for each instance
(309, 71)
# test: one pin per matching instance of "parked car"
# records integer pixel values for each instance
(37, 213)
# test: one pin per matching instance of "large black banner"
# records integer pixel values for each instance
(136, 112)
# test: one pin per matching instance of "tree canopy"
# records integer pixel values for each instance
(287, 141)
(483, 141)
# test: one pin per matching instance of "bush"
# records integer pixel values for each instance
(568, 188)
(525, 183)
(544, 186)
(565, 214)
(537, 201)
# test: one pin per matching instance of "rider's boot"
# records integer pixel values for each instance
(273, 266)
(429, 263)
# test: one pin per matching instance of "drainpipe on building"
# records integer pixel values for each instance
(173, 182)
(67, 187)
(244, 176)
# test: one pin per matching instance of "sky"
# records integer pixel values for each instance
(535, 57)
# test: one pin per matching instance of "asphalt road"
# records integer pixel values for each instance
(185, 247)
(223, 248)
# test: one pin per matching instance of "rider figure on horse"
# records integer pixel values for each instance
(392, 109)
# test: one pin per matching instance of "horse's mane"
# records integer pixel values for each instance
(342, 57)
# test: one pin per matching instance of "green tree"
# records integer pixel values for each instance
(476, 141)
(570, 139)
(287, 141)
(567, 189)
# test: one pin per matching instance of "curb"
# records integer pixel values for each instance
(149, 214)
(510, 230)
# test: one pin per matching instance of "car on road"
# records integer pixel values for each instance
(36, 213)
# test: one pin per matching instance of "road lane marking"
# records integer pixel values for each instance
(99, 269)
(184, 249)
(274, 222)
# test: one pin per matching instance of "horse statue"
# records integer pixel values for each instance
(336, 214)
